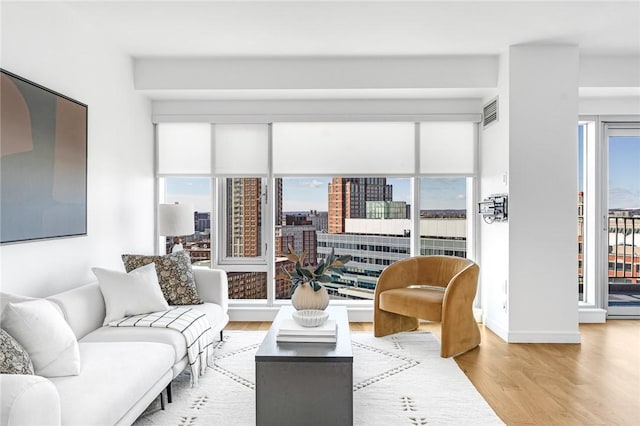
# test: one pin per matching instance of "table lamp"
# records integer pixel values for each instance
(176, 220)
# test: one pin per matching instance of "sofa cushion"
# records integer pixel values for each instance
(175, 275)
(14, 359)
(6, 298)
(167, 336)
(82, 307)
(41, 329)
(170, 337)
(133, 293)
(114, 377)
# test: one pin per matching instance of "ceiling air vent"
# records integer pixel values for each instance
(490, 113)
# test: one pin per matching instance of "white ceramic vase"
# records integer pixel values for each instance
(304, 297)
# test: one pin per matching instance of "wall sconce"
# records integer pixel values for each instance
(494, 208)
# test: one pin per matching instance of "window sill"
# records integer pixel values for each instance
(356, 313)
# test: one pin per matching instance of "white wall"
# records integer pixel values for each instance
(609, 85)
(325, 73)
(494, 238)
(47, 43)
(543, 108)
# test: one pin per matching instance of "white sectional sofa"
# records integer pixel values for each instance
(123, 369)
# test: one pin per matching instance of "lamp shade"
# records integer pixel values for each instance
(175, 219)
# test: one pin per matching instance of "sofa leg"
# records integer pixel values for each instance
(221, 335)
(161, 401)
(169, 398)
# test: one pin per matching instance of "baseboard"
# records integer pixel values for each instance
(592, 316)
(360, 314)
(253, 314)
(497, 328)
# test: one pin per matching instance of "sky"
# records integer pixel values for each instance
(624, 172)
(301, 194)
(188, 190)
(310, 193)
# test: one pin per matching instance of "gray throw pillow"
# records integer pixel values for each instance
(14, 359)
(175, 275)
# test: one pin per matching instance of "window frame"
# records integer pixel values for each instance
(594, 307)
(264, 263)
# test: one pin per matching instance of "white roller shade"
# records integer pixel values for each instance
(184, 148)
(343, 148)
(447, 147)
(241, 149)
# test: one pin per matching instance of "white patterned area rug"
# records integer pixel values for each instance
(397, 380)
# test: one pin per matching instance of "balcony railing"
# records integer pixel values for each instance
(623, 252)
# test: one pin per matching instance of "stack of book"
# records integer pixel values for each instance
(290, 331)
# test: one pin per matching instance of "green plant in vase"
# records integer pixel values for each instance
(307, 291)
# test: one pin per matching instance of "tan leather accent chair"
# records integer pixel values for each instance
(433, 288)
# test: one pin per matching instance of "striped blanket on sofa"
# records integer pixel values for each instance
(193, 325)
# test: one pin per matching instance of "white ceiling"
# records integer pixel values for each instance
(379, 29)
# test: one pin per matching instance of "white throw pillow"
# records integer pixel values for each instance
(133, 293)
(42, 331)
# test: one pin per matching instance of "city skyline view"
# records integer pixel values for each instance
(310, 193)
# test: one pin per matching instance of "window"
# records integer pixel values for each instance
(197, 192)
(317, 187)
(317, 219)
(608, 219)
(581, 228)
(243, 218)
(623, 196)
(443, 216)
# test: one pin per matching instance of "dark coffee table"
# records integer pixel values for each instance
(305, 383)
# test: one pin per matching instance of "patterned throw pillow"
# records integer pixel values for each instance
(14, 359)
(174, 274)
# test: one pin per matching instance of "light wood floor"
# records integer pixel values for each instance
(594, 383)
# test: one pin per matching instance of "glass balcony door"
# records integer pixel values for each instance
(623, 219)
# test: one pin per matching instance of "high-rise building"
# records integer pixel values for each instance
(301, 238)
(244, 235)
(244, 218)
(348, 199)
(279, 215)
(202, 221)
(375, 244)
(297, 219)
(247, 285)
(387, 210)
(319, 219)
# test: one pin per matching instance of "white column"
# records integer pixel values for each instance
(543, 116)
